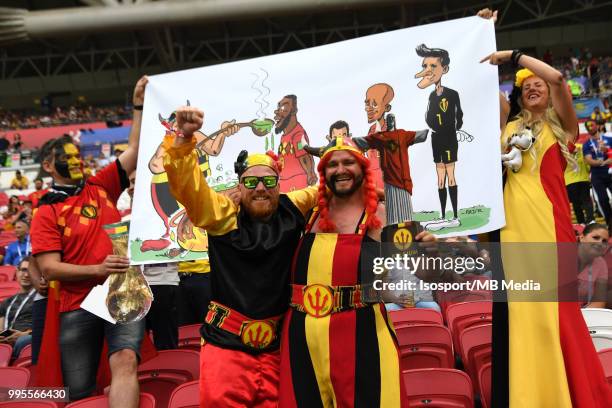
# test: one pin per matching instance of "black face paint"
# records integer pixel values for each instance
(64, 160)
(61, 165)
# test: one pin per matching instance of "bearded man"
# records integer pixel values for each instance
(248, 248)
(338, 348)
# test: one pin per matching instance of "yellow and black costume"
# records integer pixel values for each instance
(250, 266)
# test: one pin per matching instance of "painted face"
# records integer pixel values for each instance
(259, 202)
(432, 72)
(68, 162)
(283, 113)
(534, 94)
(343, 174)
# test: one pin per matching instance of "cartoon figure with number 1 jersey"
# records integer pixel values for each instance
(445, 117)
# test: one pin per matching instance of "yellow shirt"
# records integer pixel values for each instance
(20, 183)
(572, 176)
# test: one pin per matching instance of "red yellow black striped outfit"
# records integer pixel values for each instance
(335, 349)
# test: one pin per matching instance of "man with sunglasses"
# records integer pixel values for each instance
(250, 250)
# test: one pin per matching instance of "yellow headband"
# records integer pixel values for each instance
(521, 76)
(340, 143)
(260, 159)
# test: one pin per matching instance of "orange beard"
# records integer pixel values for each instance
(260, 210)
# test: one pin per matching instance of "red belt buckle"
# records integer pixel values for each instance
(318, 300)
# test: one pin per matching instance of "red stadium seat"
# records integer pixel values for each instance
(7, 273)
(29, 404)
(160, 375)
(476, 349)
(25, 358)
(5, 354)
(445, 299)
(186, 396)
(460, 316)
(12, 378)
(11, 285)
(438, 387)
(189, 337)
(415, 315)
(484, 384)
(425, 346)
(8, 289)
(101, 401)
(25, 352)
(605, 356)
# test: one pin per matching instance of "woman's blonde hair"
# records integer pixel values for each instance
(525, 119)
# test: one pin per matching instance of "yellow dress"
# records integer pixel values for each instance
(549, 359)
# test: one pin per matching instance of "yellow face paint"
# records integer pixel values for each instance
(69, 164)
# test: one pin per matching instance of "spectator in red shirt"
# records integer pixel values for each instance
(37, 195)
(71, 247)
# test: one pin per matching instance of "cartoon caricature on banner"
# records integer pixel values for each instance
(287, 102)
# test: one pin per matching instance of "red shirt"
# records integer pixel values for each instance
(375, 157)
(291, 148)
(35, 196)
(393, 148)
(74, 228)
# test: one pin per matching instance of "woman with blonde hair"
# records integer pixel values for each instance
(543, 355)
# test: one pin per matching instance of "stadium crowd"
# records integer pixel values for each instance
(60, 115)
(182, 291)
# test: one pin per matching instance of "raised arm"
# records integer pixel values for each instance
(561, 97)
(504, 106)
(205, 208)
(130, 156)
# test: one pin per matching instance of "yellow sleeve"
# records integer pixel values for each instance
(304, 199)
(206, 208)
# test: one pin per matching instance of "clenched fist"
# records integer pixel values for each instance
(188, 120)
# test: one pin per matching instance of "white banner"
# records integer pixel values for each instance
(368, 83)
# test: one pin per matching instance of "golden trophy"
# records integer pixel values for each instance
(129, 295)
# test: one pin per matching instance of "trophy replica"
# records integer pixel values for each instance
(129, 296)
